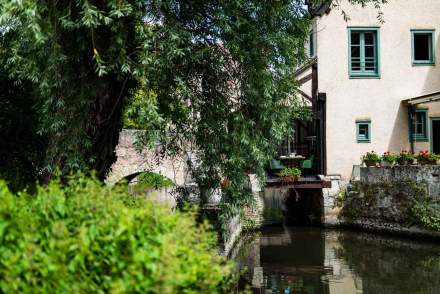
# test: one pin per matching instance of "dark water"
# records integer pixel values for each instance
(314, 260)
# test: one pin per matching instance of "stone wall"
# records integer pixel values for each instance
(130, 160)
(331, 198)
(394, 200)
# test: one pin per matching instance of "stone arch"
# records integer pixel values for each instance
(131, 162)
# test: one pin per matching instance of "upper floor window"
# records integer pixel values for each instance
(363, 52)
(423, 50)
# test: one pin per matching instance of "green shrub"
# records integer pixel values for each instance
(290, 171)
(427, 214)
(87, 238)
(151, 180)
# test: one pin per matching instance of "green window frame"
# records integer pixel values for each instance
(363, 131)
(430, 37)
(419, 125)
(363, 52)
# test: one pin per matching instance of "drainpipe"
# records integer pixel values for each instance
(411, 126)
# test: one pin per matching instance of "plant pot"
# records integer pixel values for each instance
(289, 179)
(437, 161)
(386, 164)
(426, 162)
(405, 161)
(370, 163)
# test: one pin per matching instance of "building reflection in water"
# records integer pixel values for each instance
(314, 260)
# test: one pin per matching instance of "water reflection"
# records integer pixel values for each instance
(313, 260)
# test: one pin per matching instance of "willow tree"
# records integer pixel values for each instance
(80, 56)
(222, 75)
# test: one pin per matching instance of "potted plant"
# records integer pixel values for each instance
(406, 157)
(371, 159)
(425, 157)
(289, 174)
(388, 159)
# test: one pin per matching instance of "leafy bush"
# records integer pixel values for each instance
(88, 238)
(151, 180)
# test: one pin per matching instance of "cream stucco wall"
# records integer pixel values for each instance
(376, 98)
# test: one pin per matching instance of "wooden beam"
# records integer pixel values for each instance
(305, 95)
(306, 66)
(305, 79)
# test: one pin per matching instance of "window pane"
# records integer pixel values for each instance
(369, 38)
(369, 51)
(355, 38)
(370, 66)
(422, 47)
(355, 65)
(418, 128)
(420, 124)
(355, 52)
(363, 130)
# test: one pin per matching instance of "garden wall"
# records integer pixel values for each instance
(400, 199)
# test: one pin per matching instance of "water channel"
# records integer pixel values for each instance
(310, 260)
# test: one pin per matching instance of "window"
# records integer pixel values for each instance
(363, 131)
(363, 52)
(423, 52)
(419, 125)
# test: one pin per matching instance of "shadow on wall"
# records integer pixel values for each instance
(399, 139)
(432, 82)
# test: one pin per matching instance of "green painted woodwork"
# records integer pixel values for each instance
(431, 46)
(363, 52)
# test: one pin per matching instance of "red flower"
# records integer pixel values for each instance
(224, 183)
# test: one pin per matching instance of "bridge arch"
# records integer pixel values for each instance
(131, 162)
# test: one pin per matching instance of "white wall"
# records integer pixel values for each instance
(379, 99)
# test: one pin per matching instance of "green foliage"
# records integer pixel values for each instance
(222, 74)
(21, 148)
(79, 56)
(406, 157)
(289, 172)
(141, 111)
(389, 157)
(370, 157)
(151, 180)
(88, 238)
(427, 213)
(425, 157)
(225, 84)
